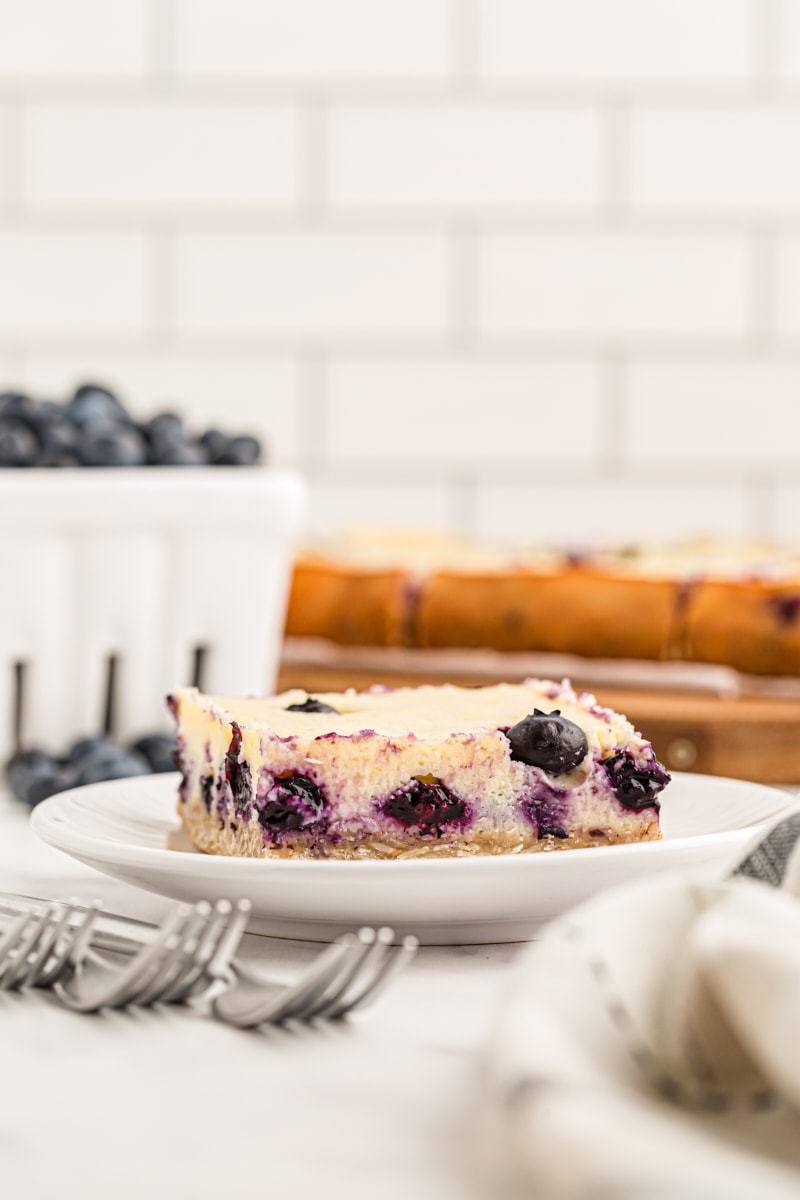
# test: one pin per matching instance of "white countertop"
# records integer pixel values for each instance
(170, 1104)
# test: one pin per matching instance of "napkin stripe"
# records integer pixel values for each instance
(702, 1091)
(768, 860)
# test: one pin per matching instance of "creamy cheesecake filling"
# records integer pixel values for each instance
(387, 773)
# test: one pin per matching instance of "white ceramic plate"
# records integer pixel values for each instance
(128, 829)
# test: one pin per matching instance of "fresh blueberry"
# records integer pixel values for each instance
(93, 405)
(215, 442)
(181, 454)
(114, 446)
(40, 789)
(33, 775)
(159, 749)
(163, 430)
(15, 404)
(96, 746)
(57, 458)
(429, 806)
(57, 435)
(241, 451)
(548, 741)
(311, 705)
(117, 764)
(18, 444)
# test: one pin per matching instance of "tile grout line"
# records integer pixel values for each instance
(461, 501)
(312, 423)
(462, 286)
(612, 410)
(761, 508)
(613, 162)
(463, 22)
(762, 292)
(162, 323)
(765, 20)
(161, 49)
(14, 204)
(53, 343)
(577, 92)
(313, 134)
(253, 218)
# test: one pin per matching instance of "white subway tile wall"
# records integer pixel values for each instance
(513, 268)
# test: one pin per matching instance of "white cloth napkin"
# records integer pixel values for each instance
(649, 1046)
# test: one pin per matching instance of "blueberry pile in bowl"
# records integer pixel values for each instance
(33, 775)
(94, 429)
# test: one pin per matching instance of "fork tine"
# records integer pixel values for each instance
(211, 968)
(36, 962)
(188, 964)
(178, 961)
(231, 1007)
(149, 967)
(316, 1001)
(116, 990)
(368, 968)
(73, 944)
(209, 940)
(227, 946)
(9, 942)
(386, 969)
(155, 973)
(305, 998)
(16, 965)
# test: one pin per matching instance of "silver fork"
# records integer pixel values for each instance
(49, 946)
(345, 975)
(190, 957)
(192, 948)
(41, 945)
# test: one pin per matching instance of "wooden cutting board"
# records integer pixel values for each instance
(744, 737)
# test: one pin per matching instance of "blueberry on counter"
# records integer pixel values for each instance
(88, 747)
(96, 758)
(112, 764)
(33, 775)
(240, 451)
(548, 741)
(159, 749)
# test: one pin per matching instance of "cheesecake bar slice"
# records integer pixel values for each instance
(407, 772)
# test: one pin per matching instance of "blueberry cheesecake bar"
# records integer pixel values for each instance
(410, 772)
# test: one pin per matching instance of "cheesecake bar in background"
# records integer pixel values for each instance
(734, 604)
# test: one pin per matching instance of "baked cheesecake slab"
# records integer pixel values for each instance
(408, 772)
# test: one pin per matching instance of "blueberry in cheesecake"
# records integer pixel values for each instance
(409, 772)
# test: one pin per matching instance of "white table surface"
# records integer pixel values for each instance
(170, 1104)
